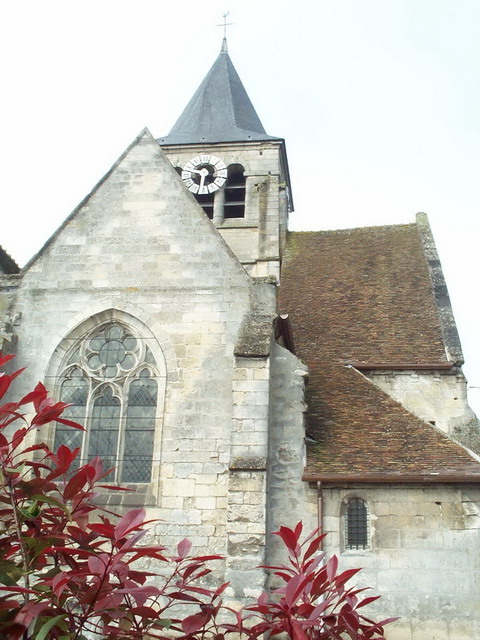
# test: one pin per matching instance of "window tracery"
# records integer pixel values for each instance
(110, 381)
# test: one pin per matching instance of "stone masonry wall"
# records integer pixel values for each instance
(289, 499)
(436, 397)
(423, 557)
(246, 484)
(140, 250)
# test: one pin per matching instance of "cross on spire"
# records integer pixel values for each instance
(225, 24)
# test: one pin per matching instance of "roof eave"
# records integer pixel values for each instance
(402, 366)
(164, 142)
(386, 478)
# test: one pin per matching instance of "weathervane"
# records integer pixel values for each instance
(225, 23)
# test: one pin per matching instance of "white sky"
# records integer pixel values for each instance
(379, 102)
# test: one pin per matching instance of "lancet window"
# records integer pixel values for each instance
(110, 380)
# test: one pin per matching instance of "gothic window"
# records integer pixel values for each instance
(356, 524)
(110, 380)
(235, 192)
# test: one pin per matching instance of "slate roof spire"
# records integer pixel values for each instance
(220, 110)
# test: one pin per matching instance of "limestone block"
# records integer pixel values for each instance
(215, 517)
(205, 503)
(461, 629)
(178, 487)
(242, 581)
(386, 538)
(430, 630)
(399, 630)
(245, 513)
(170, 503)
(245, 563)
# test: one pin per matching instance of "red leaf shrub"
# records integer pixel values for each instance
(313, 603)
(69, 569)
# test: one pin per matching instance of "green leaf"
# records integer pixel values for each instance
(20, 469)
(11, 577)
(165, 622)
(52, 501)
(49, 624)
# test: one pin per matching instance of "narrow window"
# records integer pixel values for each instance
(105, 427)
(235, 192)
(356, 524)
(74, 391)
(139, 428)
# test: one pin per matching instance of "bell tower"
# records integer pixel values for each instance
(236, 171)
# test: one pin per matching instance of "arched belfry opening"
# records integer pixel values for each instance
(227, 202)
(234, 205)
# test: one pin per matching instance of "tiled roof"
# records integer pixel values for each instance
(219, 111)
(363, 298)
(362, 295)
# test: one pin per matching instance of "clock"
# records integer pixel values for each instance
(204, 174)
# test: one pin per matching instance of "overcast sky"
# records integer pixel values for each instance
(379, 102)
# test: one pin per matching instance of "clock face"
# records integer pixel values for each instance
(204, 174)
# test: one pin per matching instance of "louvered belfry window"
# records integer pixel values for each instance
(356, 524)
(235, 192)
(110, 381)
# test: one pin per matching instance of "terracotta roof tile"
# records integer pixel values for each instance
(362, 295)
(360, 430)
(365, 296)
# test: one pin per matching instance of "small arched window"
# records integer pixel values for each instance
(110, 381)
(356, 524)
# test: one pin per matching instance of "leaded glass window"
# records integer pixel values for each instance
(110, 380)
(356, 524)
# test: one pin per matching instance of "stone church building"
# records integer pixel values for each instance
(241, 376)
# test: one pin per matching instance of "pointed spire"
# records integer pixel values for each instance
(220, 110)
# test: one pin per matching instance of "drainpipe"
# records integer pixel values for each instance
(320, 510)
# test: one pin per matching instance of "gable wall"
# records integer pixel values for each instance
(436, 397)
(142, 248)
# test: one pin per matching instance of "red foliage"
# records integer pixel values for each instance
(314, 603)
(67, 568)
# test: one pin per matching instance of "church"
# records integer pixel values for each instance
(240, 376)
